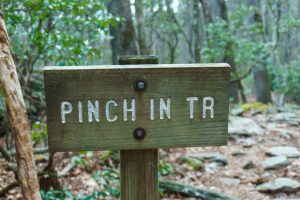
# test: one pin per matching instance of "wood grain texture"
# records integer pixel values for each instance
(116, 82)
(139, 174)
(27, 175)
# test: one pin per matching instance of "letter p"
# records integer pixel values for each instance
(65, 108)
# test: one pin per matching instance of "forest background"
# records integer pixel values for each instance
(259, 39)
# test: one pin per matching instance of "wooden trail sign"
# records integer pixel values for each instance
(136, 106)
(137, 109)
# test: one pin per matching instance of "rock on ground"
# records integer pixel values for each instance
(279, 185)
(229, 181)
(246, 142)
(210, 155)
(286, 117)
(244, 126)
(275, 162)
(290, 152)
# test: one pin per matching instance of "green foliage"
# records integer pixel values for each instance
(80, 159)
(254, 106)
(56, 31)
(164, 168)
(289, 23)
(56, 195)
(194, 163)
(239, 36)
(53, 32)
(39, 131)
(109, 180)
(286, 79)
(218, 36)
(67, 195)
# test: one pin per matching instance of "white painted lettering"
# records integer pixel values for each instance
(65, 108)
(208, 106)
(107, 109)
(93, 111)
(192, 100)
(126, 110)
(151, 109)
(129, 108)
(80, 118)
(165, 108)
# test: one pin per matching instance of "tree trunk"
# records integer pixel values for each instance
(206, 11)
(207, 20)
(187, 30)
(229, 58)
(141, 30)
(196, 29)
(27, 175)
(261, 83)
(124, 39)
(172, 54)
(260, 71)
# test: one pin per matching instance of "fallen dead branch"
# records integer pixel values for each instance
(190, 191)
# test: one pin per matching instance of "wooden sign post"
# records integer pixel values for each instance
(139, 167)
(137, 107)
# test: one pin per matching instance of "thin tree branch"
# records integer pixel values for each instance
(5, 153)
(243, 76)
(16, 183)
(8, 188)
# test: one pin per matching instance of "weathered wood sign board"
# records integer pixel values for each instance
(99, 107)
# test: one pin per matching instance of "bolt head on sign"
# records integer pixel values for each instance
(136, 106)
(139, 133)
(140, 85)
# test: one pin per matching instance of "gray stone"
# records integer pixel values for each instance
(212, 167)
(284, 133)
(210, 156)
(230, 181)
(246, 142)
(271, 126)
(286, 117)
(255, 112)
(249, 165)
(244, 126)
(238, 154)
(290, 152)
(279, 185)
(237, 111)
(275, 162)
